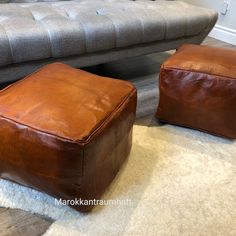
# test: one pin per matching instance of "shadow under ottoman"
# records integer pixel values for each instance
(66, 132)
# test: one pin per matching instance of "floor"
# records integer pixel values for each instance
(142, 71)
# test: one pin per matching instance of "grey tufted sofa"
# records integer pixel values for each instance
(88, 32)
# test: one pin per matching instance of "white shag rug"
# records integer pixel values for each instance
(180, 181)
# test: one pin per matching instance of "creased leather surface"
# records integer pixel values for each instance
(197, 90)
(65, 131)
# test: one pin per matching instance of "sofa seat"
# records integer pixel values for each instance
(35, 31)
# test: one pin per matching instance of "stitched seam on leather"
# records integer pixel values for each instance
(83, 142)
(192, 127)
(200, 72)
(160, 81)
(37, 130)
(36, 173)
(83, 160)
(107, 119)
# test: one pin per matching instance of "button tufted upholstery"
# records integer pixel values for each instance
(59, 29)
(43, 30)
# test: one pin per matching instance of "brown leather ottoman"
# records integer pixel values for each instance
(198, 90)
(66, 132)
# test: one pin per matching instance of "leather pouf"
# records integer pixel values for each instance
(198, 90)
(66, 132)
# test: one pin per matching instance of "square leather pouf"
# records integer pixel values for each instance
(66, 132)
(198, 90)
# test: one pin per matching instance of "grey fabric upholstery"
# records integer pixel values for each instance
(66, 29)
(29, 1)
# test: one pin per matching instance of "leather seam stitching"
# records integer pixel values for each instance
(200, 72)
(104, 122)
(107, 119)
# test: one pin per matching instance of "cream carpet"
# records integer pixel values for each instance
(180, 181)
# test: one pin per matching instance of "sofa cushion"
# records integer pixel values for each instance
(36, 31)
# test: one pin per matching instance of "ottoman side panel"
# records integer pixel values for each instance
(105, 154)
(39, 160)
(198, 100)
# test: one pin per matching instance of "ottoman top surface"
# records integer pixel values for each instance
(204, 59)
(64, 102)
